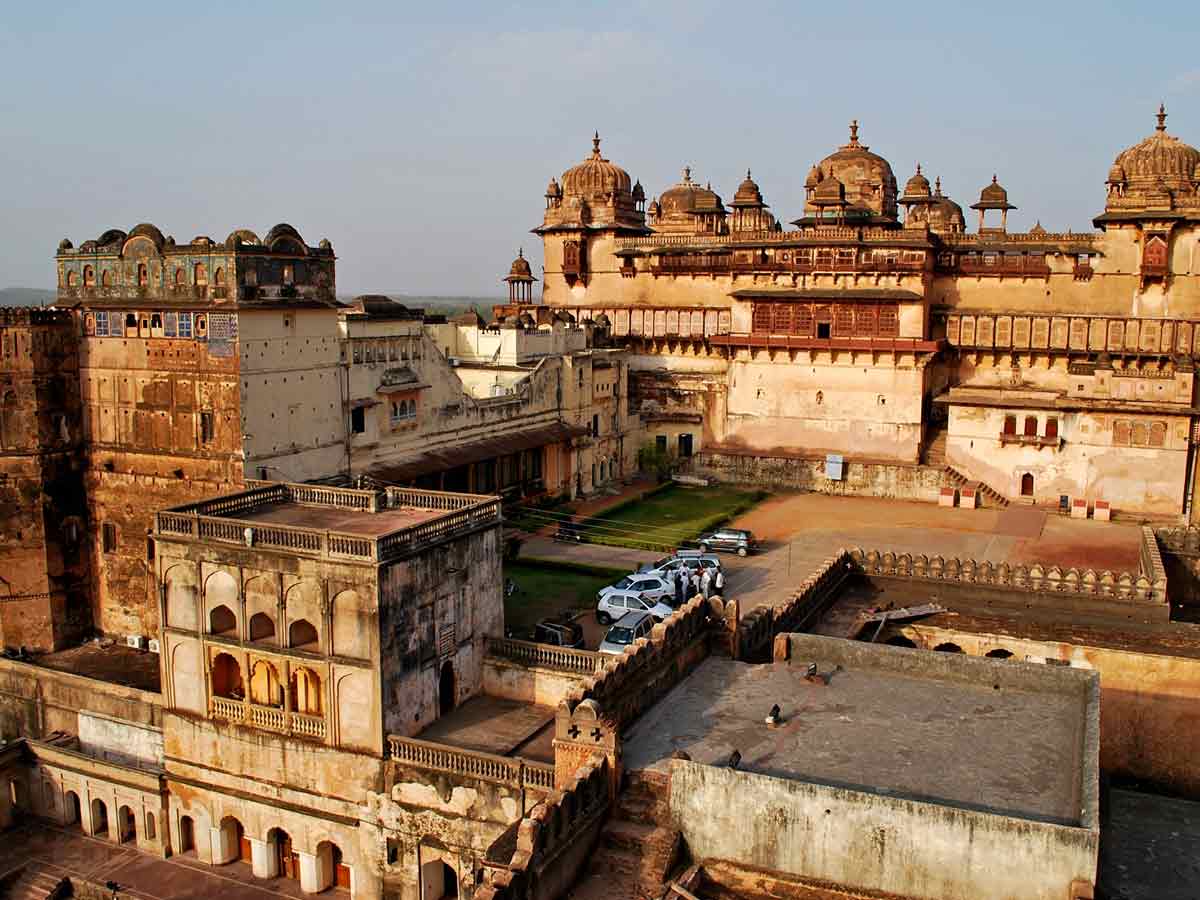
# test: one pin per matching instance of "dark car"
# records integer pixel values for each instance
(731, 540)
(569, 530)
(559, 634)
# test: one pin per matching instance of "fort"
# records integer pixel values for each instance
(251, 589)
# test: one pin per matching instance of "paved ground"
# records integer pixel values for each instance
(73, 854)
(496, 725)
(800, 530)
(1008, 751)
(1149, 848)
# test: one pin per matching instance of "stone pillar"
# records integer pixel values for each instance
(224, 845)
(313, 875)
(264, 861)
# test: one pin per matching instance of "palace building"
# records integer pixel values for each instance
(887, 325)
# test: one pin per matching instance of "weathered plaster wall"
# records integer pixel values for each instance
(873, 841)
(869, 479)
(121, 741)
(529, 684)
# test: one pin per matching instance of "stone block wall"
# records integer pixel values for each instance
(861, 478)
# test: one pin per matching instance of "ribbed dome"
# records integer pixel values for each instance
(748, 193)
(688, 197)
(993, 196)
(595, 177)
(868, 181)
(1160, 156)
(917, 187)
(1116, 175)
(814, 177)
(520, 266)
(945, 216)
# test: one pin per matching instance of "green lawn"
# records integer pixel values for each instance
(550, 590)
(670, 517)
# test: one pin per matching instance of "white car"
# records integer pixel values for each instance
(615, 604)
(651, 587)
(690, 560)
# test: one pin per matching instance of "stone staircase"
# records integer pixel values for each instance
(934, 451)
(986, 492)
(36, 883)
(637, 851)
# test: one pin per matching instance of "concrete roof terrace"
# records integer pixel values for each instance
(970, 733)
(328, 522)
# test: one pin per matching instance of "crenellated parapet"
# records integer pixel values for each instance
(553, 840)
(757, 630)
(1131, 587)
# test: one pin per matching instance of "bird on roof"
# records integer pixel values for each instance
(811, 670)
(773, 715)
(735, 759)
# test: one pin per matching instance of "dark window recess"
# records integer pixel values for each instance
(150, 549)
(685, 445)
(823, 329)
(206, 427)
(660, 443)
(595, 426)
(358, 420)
(108, 537)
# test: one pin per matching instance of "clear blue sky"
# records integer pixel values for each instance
(419, 138)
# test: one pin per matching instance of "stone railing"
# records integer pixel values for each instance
(529, 653)
(225, 708)
(820, 234)
(1133, 587)
(967, 240)
(308, 726)
(270, 718)
(216, 520)
(552, 841)
(508, 770)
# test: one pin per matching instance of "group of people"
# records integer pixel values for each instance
(702, 580)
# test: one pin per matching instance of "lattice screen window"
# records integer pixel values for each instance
(447, 641)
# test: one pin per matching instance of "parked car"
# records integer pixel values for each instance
(629, 628)
(615, 604)
(559, 634)
(648, 586)
(731, 540)
(569, 531)
(689, 559)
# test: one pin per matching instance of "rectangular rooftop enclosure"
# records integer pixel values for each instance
(330, 523)
(913, 773)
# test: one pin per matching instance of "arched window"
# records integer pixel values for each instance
(1027, 485)
(999, 653)
(264, 685)
(306, 692)
(302, 634)
(219, 276)
(1031, 426)
(262, 627)
(222, 620)
(106, 278)
(180, 278)
(948, 648)
(1010, 424)
(89, 276)
(1052, 427)
(227, 677)
(72, 279)
(143, 275)
(200, 274)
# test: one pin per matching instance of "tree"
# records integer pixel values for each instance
(656, 461)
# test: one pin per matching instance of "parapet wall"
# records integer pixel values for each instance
(1148, 589)
(860, 478)
(554, 841)
(758, 629)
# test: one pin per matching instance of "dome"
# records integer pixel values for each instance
(520, 265)
(241, 236)
(147, 230)
(110, 237)
(748, 193)
(595, 176)
(945, 216)
(867, 178)
(917, 187)
(1160, 156)
(814, 177)
(993, 196)
(639, 192)
(286, 238)
(688, 197)
(1116, 175)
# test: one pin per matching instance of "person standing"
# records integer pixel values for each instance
(679, 587)
(705, 582)
(719, 582)
(695, 581)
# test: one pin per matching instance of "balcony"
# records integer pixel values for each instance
(268, 718)
(1004, 266)
(1030, 440)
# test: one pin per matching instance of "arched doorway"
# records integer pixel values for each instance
(948, 648)
(71, 815)
(332, 872)
(287, 861)
(99, 818)
(1027, 485)
(126, 825)
(998, 653)
(187, 835)
(900, 640)
(234, 845)
(438, 881)
(446, 696)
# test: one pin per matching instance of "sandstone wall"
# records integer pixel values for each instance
(899, 481)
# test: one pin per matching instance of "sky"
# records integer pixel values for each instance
(419, 138)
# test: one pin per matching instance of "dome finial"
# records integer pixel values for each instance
(1162, 118)
(993, 178)
(747, 174)
(521, 253)
(918, 168)
(596, 145)
(854, 131)
(687, 174)
(937, 186)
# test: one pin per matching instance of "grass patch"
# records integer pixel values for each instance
(549, 590)
(671, 517)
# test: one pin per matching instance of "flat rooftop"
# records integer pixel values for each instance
(107, 661)
(346, 521)
(497, 725)
(928, 738)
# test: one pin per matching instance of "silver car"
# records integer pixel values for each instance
(628, 629)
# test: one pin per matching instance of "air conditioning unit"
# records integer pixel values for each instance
(137, 641)
(153, 645)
